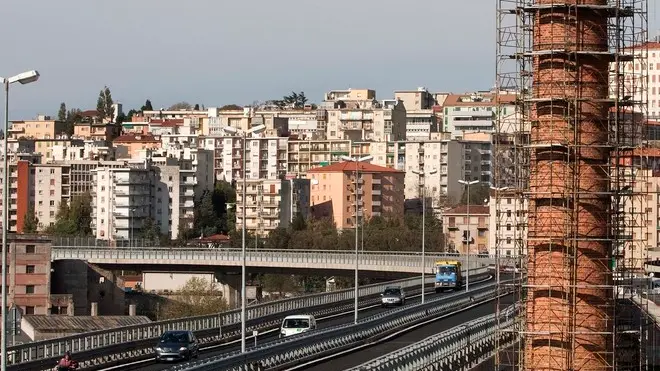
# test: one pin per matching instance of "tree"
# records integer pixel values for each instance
(295, 100)
(180, 106)
(478, 193)
(129, 115)
(150, 231)
(298, 223)
(73, 219)
(196, 108)
(205, 218)
(104, 104)
(279, 283)
(30, 222)
(61, 114)
(231, 107)
(197, 297)
(73, 116)
(147, 106)
(223, 196)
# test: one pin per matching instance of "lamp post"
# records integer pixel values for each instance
(469, 237)
(22, 78)
(357, 161)
(243, 134)
(423, 174)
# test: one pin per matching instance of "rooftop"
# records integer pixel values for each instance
(349, 166)
(78, 324)
(474, 210)
(478, 99)
(126, 138)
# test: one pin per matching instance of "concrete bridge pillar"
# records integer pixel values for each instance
(230, 285)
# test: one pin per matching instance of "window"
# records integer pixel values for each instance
(52, 203)
(508, 227)
(29, 269)
(29, 310)
(30, 249)
(29, 289)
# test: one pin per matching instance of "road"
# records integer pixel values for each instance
(321, 324)
(367, 354)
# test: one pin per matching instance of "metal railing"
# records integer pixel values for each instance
(368, 260)
(104, 346)
(461, 348)
(312, 345)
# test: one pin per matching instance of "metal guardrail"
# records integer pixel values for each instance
(330, 259)
(286, 352)
(460, 348)
(129, 342)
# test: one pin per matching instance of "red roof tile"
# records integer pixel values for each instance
(474, 210)
(348, 166)
(126, 138)
(89, 113)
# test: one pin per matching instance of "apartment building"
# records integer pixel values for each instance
(41, 128)
(355, 114)
(51, 184)
(474, 112)
(275, 122)
(90, 150)
(28, 273)
(173, 201)
(121, 201)
(477, 157)
(633, 74)
(271, 203)
(456, 222)
(420, 118)
(266, 157)
(335, 190)
(127, 145)
(507, 223)
(101, 132)
(303, 155)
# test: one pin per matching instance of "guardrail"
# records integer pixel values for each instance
(131, 342)
(394, 261)
(460, 348)
(287, 352)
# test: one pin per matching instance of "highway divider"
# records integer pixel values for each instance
(460, 348)
(289, 352)
(116, 346)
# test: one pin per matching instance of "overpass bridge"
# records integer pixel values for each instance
(332, 262)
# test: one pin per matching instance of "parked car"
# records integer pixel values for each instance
(177, 345)
(297, 324)
(393, 295)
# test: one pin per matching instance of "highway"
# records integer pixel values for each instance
(322, 322)
(378, 349)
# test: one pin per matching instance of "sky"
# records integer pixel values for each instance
(216, 52)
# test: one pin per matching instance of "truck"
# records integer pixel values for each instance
(448, 275)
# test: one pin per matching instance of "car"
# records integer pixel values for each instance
(297, 324)
(176, 346)
(393, 295)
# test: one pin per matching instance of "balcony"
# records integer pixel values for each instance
(375, 203)
(351, 125)
(375, 181)
(376, 192)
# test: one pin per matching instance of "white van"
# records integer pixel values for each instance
(293, 325)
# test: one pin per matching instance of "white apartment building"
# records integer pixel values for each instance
(420, 118)
(173, 201)
(355, 114)
(121, 201)
(474, 112)
(271, 203)
(507, 224)
(265, 157)
(51, 185)
(477, 156)
(90, 150)
(633, 75)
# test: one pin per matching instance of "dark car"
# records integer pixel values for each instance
(177, 345)
(392, 296)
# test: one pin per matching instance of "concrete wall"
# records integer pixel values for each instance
(88, 283)
(161, 281)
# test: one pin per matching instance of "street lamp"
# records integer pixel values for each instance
(244, 134)
(422, 174)
(469, 237)
(21, 78)
(357, 161)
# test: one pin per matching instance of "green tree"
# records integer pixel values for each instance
(180, 106)
(104, 104)
(30, 222)
(279, 284)
(150, 230)
(205, 218)
(74, 219)
(61, 114)
(197, 297)
(196, 108)
(298, 223)
(478, 193)
(231, 107)
(278, 239)
(147, 106)
(224, 195)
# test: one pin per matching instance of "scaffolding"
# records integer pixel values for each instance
(568, 162)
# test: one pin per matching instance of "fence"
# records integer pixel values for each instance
(112, 345)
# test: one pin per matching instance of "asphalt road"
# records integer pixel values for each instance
(367, 354)
(321, 323)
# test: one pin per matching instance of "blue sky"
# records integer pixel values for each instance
(216, 52)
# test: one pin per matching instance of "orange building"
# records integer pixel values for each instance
(380, 191)
(128, 145)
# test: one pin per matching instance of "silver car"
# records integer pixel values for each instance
(393, 295)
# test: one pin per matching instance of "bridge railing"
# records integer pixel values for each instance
(329, 258)
(105, 339)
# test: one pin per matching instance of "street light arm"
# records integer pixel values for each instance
(25, 77)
